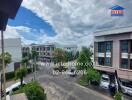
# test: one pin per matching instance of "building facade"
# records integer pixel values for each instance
(45, 51)
(113, 51)
(13, 47)
(70, 48)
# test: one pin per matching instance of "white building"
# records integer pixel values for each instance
(13, 47)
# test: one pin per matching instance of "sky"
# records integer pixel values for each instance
(65, 21)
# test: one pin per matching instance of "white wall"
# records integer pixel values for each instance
(13, 46)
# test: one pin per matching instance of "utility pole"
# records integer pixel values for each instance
(3, 65)
(35, 68)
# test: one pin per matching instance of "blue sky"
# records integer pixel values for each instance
(29, 19)
(65, 21)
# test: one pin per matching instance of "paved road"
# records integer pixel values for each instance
(63, 87)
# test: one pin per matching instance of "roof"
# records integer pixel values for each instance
(116, 7)
(112, 31)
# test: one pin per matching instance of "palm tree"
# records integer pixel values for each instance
(34, 56)
(21, 73)
(25, 61)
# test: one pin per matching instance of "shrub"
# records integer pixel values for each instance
(34, 91)
(10, 75)
(118, 96)
(93, 76)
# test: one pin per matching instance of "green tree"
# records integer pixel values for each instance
(84, 60)
(25, 61)
(7, 58)
(34, 54)
(93, 76)
(77, 55)
(34, 91)
(34, 57)
(59, 55)
(20, 74)
(68, 56)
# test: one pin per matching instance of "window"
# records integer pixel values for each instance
(48, 48)
(124, 46)
(48, 54)
(108, 46)
(130, 46)
(131, 64)
(104, 47)
(37, 49)
(101, 47)
(43, 48)
(101, 60)
(107, 61)
(124, 63)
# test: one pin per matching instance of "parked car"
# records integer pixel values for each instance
(72, 72)
(13, 88)
(126, 87)
(105, 81)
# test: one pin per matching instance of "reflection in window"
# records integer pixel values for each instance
(124, 63)
(101, 47)
(108, 46)
(101, 60)
(124, 46)
(131, 64)
(107, 61)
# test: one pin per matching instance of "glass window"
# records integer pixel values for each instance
(37, 49)
(131, 46)
(124, 46)
(124, 63)
(131, 64)
(44, 48)
(101, 47)
(107, 61)
(108, 46)
(101, 61)
(48, 48)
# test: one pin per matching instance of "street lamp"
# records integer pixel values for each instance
(8, 9)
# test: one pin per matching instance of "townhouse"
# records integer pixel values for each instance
(45, 51)
(113, 51)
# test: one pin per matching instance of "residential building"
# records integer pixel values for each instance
(45, 51)
(113, 51)
(13, 47)
(69, 48)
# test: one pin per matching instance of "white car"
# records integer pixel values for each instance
(105, 81)
(13, 87)
(126, 88)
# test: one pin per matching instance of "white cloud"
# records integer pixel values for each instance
(75, 20)
(15, 32)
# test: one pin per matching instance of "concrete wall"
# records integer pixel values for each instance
(13, 46)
